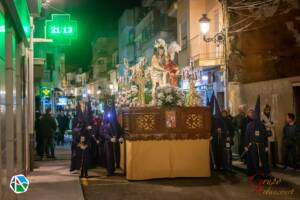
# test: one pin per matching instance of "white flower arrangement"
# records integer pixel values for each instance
(128, 98)
(169, 96)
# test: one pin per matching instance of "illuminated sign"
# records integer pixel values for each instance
(23, 12)
(2, 36)
(61, 29)
(45, 92)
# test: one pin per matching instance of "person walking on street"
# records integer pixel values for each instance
(63, 123)
(291, 134)
(270, 128)
(256, 145)
(48, 127)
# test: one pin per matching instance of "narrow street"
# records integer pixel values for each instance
(51, 179)
(217, 187)
(149, 99)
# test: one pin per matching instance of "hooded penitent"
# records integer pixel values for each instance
(79, 115)
(89, 114)
(257, 109)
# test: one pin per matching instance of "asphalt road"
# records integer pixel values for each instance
(219, 186)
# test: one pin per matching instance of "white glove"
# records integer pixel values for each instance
(113, 139)
(266, 149)
(246, 148)
(89, 127)
(121, 140)
(211, 138)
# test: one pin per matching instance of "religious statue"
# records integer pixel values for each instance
(126, 73)
(138, 76)
(172, 71)
(163, 70)
(157, 66)
(191, 75)
(193, 99)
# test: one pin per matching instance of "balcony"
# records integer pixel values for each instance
(206, 54)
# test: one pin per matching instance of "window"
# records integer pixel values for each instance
(183, 30)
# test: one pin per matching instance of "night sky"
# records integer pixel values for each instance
(95, 18)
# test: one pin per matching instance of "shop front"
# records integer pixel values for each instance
(16, 102)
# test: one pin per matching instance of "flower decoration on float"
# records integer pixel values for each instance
(169, 96)
(128, 97)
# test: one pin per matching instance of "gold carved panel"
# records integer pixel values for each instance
(145, 122)
(194, 121)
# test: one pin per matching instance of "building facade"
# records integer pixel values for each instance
(154, 24)
(264, 59)
(206, 58)
(126, 33)
(16, 90)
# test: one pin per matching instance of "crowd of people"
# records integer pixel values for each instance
(50, 131)
(95, 139)
(255, 133)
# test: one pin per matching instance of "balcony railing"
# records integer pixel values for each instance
(206, 53)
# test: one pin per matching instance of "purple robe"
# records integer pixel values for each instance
(74, 158)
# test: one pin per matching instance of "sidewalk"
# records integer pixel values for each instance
(52, 180)
(289, 175)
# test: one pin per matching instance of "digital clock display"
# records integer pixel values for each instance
(61, 29)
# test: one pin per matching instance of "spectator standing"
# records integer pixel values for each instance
(47, 127)
(270, 128)
(240, 124)
(63, 123)
(291, 134)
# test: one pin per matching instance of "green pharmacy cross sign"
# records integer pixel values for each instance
(45, 92)
(61, 29)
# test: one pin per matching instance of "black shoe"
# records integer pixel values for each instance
(275, 166)
(284, 168)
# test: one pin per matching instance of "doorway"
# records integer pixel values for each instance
(296, 90)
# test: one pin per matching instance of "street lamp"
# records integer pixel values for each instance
(218, 38)
(204, 23)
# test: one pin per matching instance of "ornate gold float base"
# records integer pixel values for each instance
(153, 123)
(165, 159)
(166, 142)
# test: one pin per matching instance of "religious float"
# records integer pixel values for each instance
(167, 131)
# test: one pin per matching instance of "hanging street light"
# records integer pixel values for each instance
(218, 38)
(204, 23)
